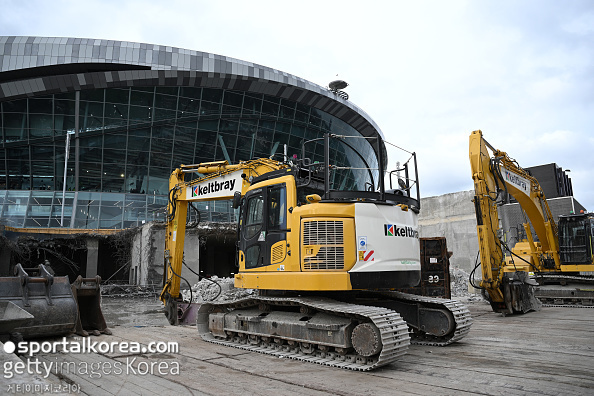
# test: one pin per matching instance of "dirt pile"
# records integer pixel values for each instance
(215, 289)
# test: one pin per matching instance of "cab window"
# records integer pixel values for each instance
(254, 216)
(277, 213)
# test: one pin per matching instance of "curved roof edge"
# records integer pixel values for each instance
(21, 52)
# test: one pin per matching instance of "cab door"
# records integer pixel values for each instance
(263, 226)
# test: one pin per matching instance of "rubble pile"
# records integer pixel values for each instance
(459, 282)
(215, 289)
(460, 287)
(125, 290)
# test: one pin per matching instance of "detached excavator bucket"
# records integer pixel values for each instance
(46, 298)
(87, 293)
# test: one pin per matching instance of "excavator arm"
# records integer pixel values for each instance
(219, 181)
(507, 283)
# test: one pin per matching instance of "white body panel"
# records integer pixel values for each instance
(222, 187)
(382, 250)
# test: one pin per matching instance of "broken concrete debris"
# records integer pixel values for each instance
(215, 289)
(460, 287)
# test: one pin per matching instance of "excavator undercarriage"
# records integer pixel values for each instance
(360, 332)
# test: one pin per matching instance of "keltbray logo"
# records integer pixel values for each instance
(517, 181)
(212, 187)
(400, 231)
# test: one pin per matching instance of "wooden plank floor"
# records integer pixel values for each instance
(546, 353)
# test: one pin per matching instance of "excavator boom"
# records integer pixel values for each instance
(218, 181)
(493, 173)
(505, 270)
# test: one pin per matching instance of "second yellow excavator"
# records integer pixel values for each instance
(554, 252)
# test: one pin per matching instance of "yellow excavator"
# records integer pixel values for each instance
(558, 252)
(324, 260)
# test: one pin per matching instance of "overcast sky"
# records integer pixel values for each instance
(428, 72)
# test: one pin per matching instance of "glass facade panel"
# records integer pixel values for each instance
(135, 210)
(87, 210)
(117, 95)
(188, 108)
(131, 138)
(15, 127)
(166, 102)
(16, 203)
(270, 108)
(252, 104)
(41, 105)
(64, 111)
(113, 184)
(183, 145)
(111, 210)
(93, 95)
(140, 114)
(39, 209)
(40, 125)
(15, 106)
(161, 158)
(190, 92)
(92, 154)
(158, 182)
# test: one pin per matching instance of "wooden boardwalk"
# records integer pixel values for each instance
(546, 353)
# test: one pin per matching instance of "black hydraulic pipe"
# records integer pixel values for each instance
(382, 187)
(417, 181)
(326, 166)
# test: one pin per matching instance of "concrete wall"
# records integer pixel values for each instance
(92, 257)
(452, 216)
(147, 256)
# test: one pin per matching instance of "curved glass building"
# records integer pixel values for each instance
(91, 129)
